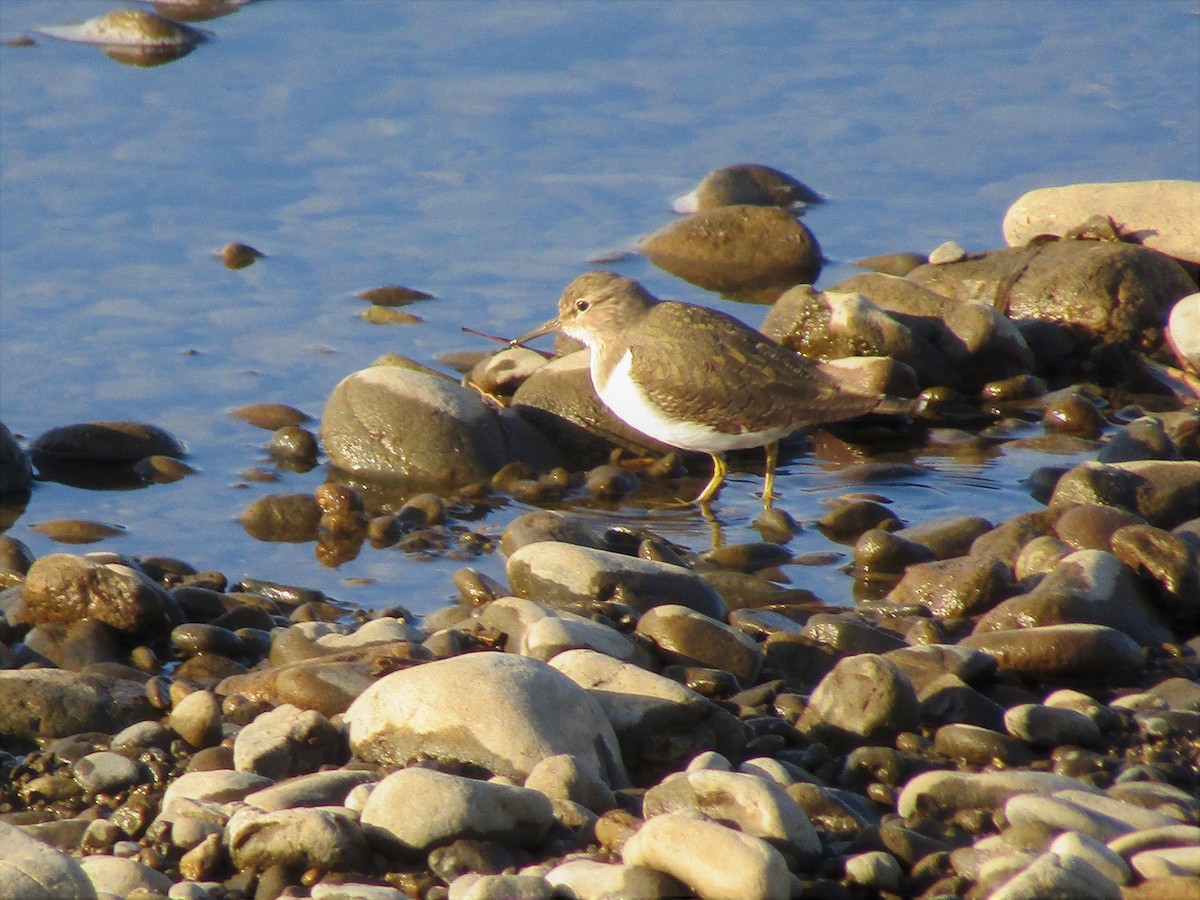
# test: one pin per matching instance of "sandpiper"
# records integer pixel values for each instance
(694, 377)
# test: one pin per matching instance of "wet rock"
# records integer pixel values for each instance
(952, 588)
(684, 636)
(1088, 586)
(557, 573)
(982, 747)
(928, 663)
(1073, 413)
(306, 838)
(289, 518)
(659, 723)
(110, 443)
(74, 647)
(1143, 438)
(465, 808)
(950, 699)
(947, 537)
(751, 252)
(755, 805)
(16, 473)
(270, 416)
(1157, 214)
(848, 634)
(1086, 652)
(1070, 295)
(559, 401)
(1164, 493)
(877, 551)
(848, 518)
(62, 588)
(898, 264)
(502, 712)
(43, 703)
(286, 741)
(865, 699)
(295, 445)
(712, 860)
(1048, 726)
(197, 719)
(394, 421)
(1090, 527)
(746, 184)
(1170, 561)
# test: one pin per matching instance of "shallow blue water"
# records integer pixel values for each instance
(483, 152)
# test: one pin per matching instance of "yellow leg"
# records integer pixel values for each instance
(714, 483)
(769, 481)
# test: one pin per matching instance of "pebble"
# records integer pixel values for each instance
(714, 861)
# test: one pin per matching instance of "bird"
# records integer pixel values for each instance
(694, 377)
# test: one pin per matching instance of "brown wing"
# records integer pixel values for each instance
(715, 369)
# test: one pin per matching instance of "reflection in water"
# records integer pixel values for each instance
(133, 37)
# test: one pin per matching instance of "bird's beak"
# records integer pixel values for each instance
(545, 328)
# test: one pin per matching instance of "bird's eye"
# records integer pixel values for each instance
(582, 305)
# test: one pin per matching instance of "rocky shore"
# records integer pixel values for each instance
(1010, 710)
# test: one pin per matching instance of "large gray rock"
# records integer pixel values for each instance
(33, 870)
(1160, 215)
(50, 703)
(324, 838)
(422, 809)
(396, 422)
(502, 712)
(865, 699)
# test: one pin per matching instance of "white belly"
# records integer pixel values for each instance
(629, 404)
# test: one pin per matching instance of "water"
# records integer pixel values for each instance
(484, 152)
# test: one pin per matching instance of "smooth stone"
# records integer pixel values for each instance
(1126, 845)
(716, 862)
(327, 838)
(687, 637)
(548, 525)
(348, 890)
(465, 807)
(1085, 587)
(327, 788)
(197, 637)
(51, 703)
(752, 252)
(1096, 815)
(1164, 492)
(1098, 854)
(62, 588)
(377, 631)
(1160, 215)
(503, 712)
(877, 551)
(1091, 527)
(754, 805)
(556, 574)
(394, 421)
(551, 635)
(1168, 861)
(501, 373)
(1167, 887)
(216, 786)
(284, 518)
(197, 719)
(1089, 652)
(1143, 438)
(954, 588)
(112, 875)
(560, 778)
(1038, 557)
(874, 869)
(950, 699)
(286, 741)
(105, 772)
(1172, 562)
(643, 706)
(847, 634)
(1047, 726)
(866, 698)
(31, 869)
(590, 879)
(105, 442)
(940, 792)
(1051, 875)
(980, 747)
(76, 646)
